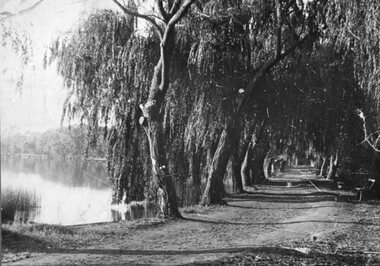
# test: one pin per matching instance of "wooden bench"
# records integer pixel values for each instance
(366, 187)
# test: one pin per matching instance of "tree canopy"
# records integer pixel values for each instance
(295, 71)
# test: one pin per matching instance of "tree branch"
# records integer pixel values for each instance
(278, 57)
(8, 14)
(143, 16)
(180, 13)
(175, 7)
(264, 69)
(168, 32)
(368, 138)
(170, 4)
(279, 28)
(162, 10)
(354, 35)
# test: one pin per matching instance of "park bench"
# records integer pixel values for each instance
(366, 187)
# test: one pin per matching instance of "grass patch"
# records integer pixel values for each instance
(41, 229)
(18, 205)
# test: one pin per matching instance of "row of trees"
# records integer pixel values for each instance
(224, 88)
(58, 143)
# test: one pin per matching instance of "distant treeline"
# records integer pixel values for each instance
(57, 143)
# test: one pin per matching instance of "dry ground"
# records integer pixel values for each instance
(276, 225)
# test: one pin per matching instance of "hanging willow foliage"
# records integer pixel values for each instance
(354, 26)
(20, 42)
(107, 69)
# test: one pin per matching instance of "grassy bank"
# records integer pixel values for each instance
(18, 205)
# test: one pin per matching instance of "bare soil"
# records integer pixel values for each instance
(282, 223)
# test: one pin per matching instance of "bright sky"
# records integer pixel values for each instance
(39, 107)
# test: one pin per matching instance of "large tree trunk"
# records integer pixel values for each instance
(258, 164)
(160, 171)
(236, 161)
(214, 187)
(152, 121)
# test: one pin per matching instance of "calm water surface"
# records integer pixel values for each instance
(68, 192)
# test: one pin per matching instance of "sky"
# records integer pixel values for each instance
(39, 105)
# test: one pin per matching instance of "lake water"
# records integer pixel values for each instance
(67, 192)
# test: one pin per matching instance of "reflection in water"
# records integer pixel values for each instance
(74, 192)
(134, 210)
(62, 192)
(69, 173)
(18, 205)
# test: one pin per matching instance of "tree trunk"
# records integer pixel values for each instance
(236, 161)
(321, 171)
(195, 172)
(160, 171)
(333, 167)
(244, 171)
(237, 185)
(152, 121)
(258, 165)
(214, 187)
(246, 165)
(268, 167)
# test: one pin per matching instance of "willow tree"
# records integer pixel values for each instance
(353, 27)
(152, 111)
(108, 70)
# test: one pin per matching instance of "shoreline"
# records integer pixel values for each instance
(249, 230)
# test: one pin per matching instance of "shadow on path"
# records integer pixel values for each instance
(286, 199)
(287, 208)
(142, 252)
(310, 194)
(278, 223)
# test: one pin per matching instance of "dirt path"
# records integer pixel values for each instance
(273, 219)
